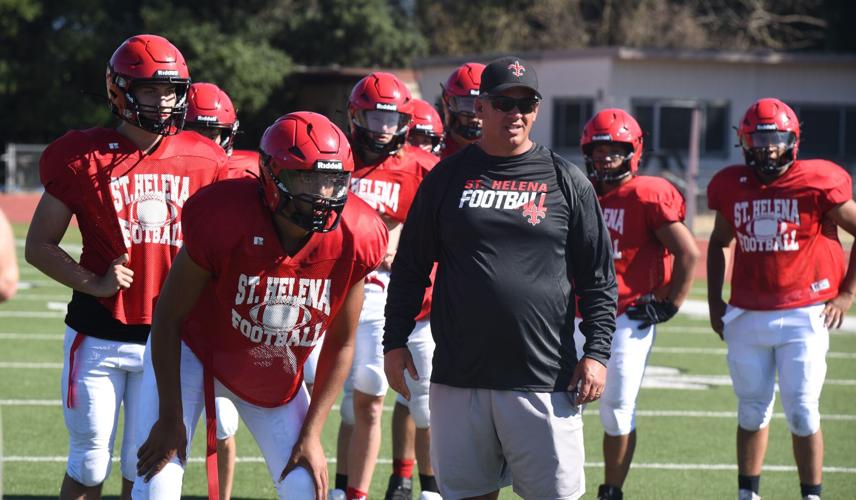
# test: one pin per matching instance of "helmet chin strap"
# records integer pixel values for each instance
(468, 132)
(762, 162)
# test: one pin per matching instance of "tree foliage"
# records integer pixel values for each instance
(53, 54)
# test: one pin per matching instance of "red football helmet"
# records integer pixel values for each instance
(145, 59)
(306, 165)
(426, 127)
(769, 124)
(380, 109)
(612, 126)
(459, 97)
(209, 108)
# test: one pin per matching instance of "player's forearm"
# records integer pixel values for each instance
(715, 272)
(52, 260)
(166, 361)
(848, 284)
(683, 270)
(333, 367)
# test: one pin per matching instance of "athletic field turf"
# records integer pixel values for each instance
(686, 420)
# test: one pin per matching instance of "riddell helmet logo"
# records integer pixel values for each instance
(427, 128)
(166, 72)
(386, 107)
(474, 92)
(767, 126)
(517, 69)
(602, 137)
(328, 165)
(203, 118)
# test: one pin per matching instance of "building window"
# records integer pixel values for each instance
(569, 117)
(666, 124)
(828, 131)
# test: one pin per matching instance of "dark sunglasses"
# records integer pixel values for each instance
(505, 104)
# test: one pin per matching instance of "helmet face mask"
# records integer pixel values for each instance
(769, 136)
(312, 200)
(140, 64)
(609, 161)
(306, 165)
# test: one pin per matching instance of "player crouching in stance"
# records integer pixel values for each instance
(654, 255)
(260, 281)
(788, 286)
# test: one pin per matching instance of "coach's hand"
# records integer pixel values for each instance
(116, 278)
(394, 364)
(833, 313)
(651, 311)
(309, 454)
(167, 439)
(588, 380)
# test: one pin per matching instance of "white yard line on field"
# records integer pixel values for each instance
(30, 336)
(723, 352)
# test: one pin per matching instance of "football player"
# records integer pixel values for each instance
(248, 299)
(388, 172)
(210, 112)
(790, 284)
(654, 255)
(462, 125)
(426, 128)
(127, 187)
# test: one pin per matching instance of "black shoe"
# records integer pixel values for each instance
(400, 488)
(607, 492)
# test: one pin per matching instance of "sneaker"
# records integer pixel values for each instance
(747, 495)
(399, 488)
(430, 495)
(607, 492)
(811, 497)
(337, 495)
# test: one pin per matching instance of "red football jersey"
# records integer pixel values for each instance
(243, 163)
(263, 312)
(633, 212)
(787, 255)
(129, 202)
(390, 186)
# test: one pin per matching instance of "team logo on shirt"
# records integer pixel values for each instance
(381, 195)
(767, 225)
(148, 207)
(526, 196)
(280, 314)
(614, 219)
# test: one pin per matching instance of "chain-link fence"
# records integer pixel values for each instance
(21, 167)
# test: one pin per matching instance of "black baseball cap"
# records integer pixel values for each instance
(507, 72)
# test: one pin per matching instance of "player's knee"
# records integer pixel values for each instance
(227, 418)
(617, 420)
(753, 415)
(90, 469)
(399, 399)
(347, 408)
(803, 420)
(420, 412)
(297, 485)
(370, 380)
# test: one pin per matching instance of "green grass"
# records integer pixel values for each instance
(676, 456)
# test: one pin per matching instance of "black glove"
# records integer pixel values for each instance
(651, 311)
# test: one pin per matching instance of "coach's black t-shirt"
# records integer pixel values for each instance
(513, 249)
